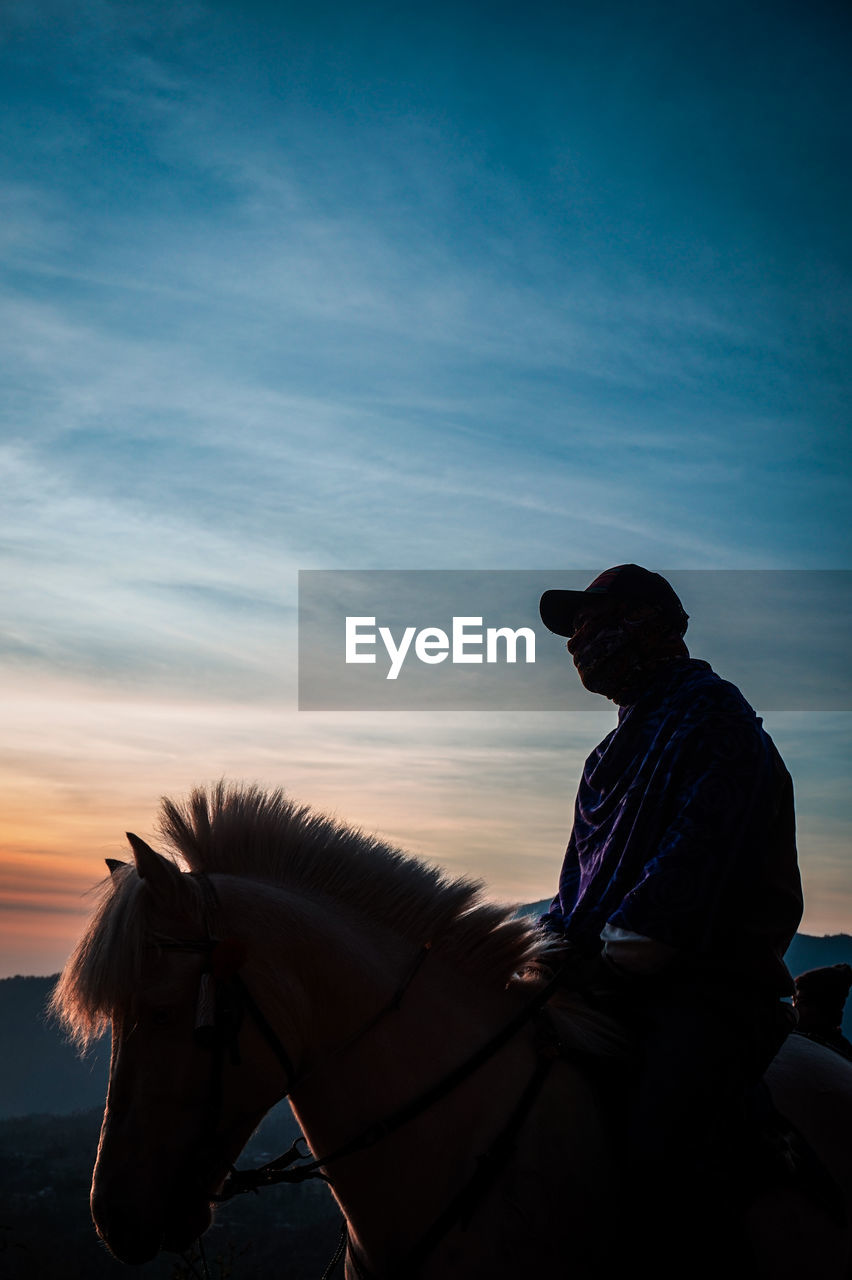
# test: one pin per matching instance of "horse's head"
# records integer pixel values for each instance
(327, 920)
(180, 1105)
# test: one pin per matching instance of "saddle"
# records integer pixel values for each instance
(754, 1151)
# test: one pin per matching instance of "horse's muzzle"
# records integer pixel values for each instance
(123, 1232)
(135, 1235)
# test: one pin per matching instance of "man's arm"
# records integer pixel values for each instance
(722, 802)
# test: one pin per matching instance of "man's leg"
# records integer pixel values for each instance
(698, 1056)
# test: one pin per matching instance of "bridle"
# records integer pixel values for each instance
(223, 1002)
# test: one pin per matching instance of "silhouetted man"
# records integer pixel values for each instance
(819, 1000)
(680, 888)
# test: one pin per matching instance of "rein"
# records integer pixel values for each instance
(279, 1171)
(224, 998)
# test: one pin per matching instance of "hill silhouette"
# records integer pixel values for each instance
(45, 1225)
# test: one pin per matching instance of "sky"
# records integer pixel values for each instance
(448, 286)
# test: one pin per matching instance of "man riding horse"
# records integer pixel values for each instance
(819, 1000)
(680, 889)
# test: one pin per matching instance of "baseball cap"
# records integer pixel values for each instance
(625, 582)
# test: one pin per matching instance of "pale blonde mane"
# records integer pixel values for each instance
(242, 830)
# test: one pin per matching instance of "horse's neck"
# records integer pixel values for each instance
(375, 1013)
(328, 972)
(362, 1057)
(367, 1056)
(313, 973)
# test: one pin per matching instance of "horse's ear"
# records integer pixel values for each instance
(114, 864)
(162, 875)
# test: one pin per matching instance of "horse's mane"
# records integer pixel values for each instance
(243, 830)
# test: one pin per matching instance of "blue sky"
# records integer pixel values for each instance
(444, 286)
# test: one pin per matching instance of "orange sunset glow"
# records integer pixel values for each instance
(481, 798)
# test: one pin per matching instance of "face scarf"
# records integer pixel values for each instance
(617, 652)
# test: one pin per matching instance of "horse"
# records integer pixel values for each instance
(456, 1115)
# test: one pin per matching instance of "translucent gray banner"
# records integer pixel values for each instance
(427, 640)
